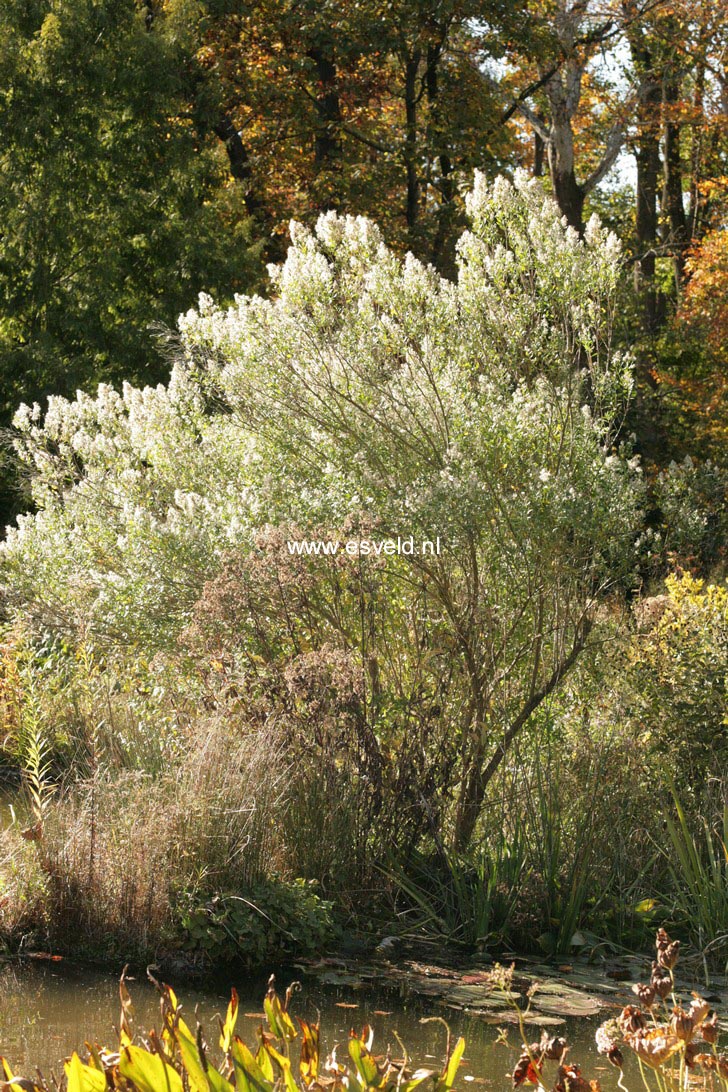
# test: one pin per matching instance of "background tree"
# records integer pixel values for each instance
(374, 108)
(114, 210)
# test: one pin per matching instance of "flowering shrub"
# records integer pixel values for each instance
(368, 390)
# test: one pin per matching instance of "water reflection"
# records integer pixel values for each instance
(48, 1010)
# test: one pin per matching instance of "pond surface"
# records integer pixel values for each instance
(49, 1009)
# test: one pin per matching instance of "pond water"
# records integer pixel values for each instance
(49, 1009)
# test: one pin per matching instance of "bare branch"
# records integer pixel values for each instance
(615, 141)
(536, 123)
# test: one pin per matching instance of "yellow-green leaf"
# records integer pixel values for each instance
(82, 1078)
(365, 1065)
(228, 1028)
(148, 1072)
(447, 1077)
(249, 1077)
(309, 1062)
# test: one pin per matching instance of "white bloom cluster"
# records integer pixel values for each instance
(483, 410)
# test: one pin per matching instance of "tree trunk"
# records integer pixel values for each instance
(478, 774)
(648, 174)
(412, 65)
(569, 195)
(239, 160)
(538, 155)
(567, 191)
(694, 227)
(672, 199)
(440, 255)
(327, 141)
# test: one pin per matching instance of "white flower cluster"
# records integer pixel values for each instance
(483, 411)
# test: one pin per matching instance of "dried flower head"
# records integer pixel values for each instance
(660, 980)
(699, 1009)
(631, 1019)
(646, 994)
(692, 1051)
(709, 1029)
(717, 1064)
(525, 1070)
(569, 1079)
(681, 1025)
(552, 1048)
(667, 950)
(685, 1023)
(653, 1046)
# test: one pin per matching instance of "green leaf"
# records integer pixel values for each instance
(447, 1078)
(149, 1072)
(366, 1067)
(228, 1028)
(82, 1078)
(249, 1077)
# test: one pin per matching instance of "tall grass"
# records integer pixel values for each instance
(465, 900)
(121, 851)
(697, 860)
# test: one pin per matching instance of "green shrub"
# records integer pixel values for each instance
(274, 921)
(367, 398)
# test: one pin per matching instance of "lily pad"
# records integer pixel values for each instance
(340, 978)
(563, 1007)
(503, 1017)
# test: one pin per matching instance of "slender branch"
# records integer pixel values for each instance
(615, 141)
(532, 88)
(536, 123)
(583, 630)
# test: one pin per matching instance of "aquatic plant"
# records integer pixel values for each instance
(699, 869)
(675, 1043)
(174, 1059)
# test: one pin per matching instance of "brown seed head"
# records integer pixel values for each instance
(692, 1050)
(646, 994)
(525, 1070)
(653, 1046)
(660, 980)
(553, 1048)
(718, 1064)
(667, 950)
(569, 1079)
(631, 1019)
(709, 1029)
(699, 1009)
(681, 1025)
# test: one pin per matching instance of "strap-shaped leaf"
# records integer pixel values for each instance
(228, 1028)
(149, 1072)
(249, 1077)
(310, 1052)
(365, 1065)
(449, 1073)
(82, 1078)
